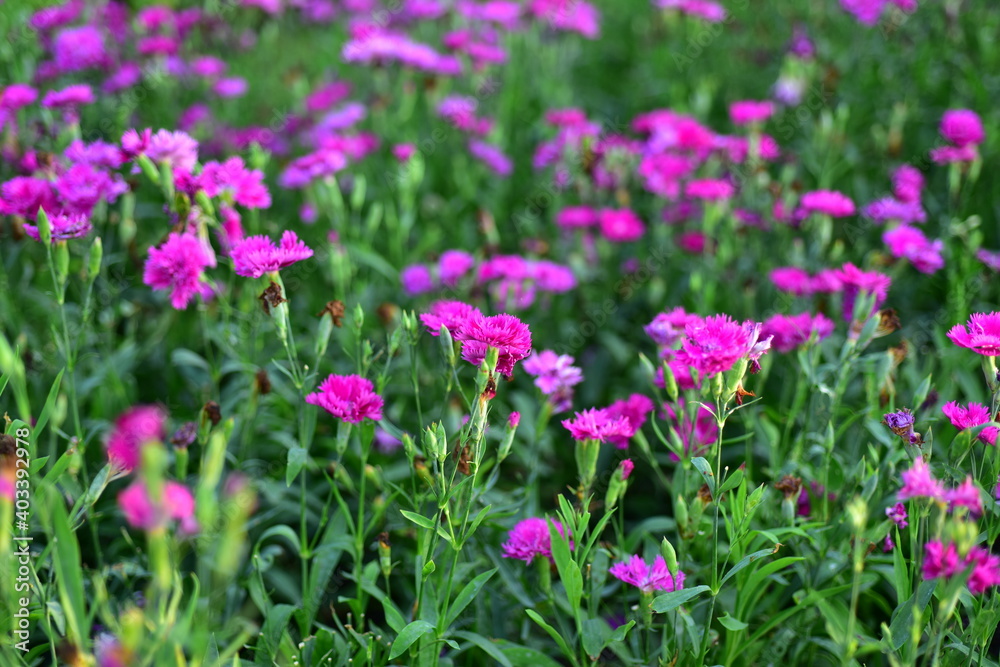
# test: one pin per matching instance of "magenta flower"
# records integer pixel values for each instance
(710, 190)
(64, 227)
(971, 417)
(907, 184)
(919, 482)
(940, 561)
(985, 570)
(69, 97)
(514, 419)
(621, 225)
(509, 335)
(79, 48)
(416, 279)
(626, 467)
(910, 243)
(667, 329)
(897, 513)
(233, 179)
(962, 127)
(889, 209)
(715, 344)
(133, 429)
(454, 265)
(177, 265)
(638, 573)
(17, 96)
(792, 279)
(491, 156)
(598, 424)
(177, 149)
(944, 562)
(555, 375)
(348, 397)
(150, 514)
(828, 202)
(966, 495)
(750, 111)
(704, 9)
(990, 258)
(576, 216)
(450, 314)
(787, 332)
(981, 334)
(257, 255)
(855, 282)
(635, 409)
(531, 538)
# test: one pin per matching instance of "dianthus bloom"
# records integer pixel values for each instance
(576, 216)
(531, 538)
(897, 513)
(901, 423)
(453, 265)
(638, 573)
(910, 243)
(919, 482)
(177, 149)
(971, 417)
(966, 495)
(635, 409)
(697, 435)
(598, 424)
(416, 279)
(828, 202)
(907, 183)
(256, 255)
(710, 189)
(792, 279)
(177, 265)
(149, 514)
(944, 562)
(750, 111)
(620, 225)
(787, 332)
(63, 227)
(716, 343)
(962, 127)
(555, 375)
(855, 282)
(450, 314)
(349, 397)
(134, 428)
(667, 329)
(232, 177)
(981, 334)
(626, 467)
(509, 335)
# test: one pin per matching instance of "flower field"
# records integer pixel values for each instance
(499, 332)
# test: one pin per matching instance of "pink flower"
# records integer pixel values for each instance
(943, 562)
(897, 513)
(940, 561)
(985, 570)
(828, 202)
(530, 538)
(638, 573)
(177, 265)
(919, 482)
(971, 417)
(348, 397)
(951, 154)
(716, 343)
(509, 335)
(704, 9)
(149, 514)
(855, 282)
(990, 258)
(514, 419)
(63, 227)
(576, 216)
(790, 331)
(491, 156)
(981, 334)
(621, 225)
(416, 279)
(909, 242)
(17, 96)
(966, 495)
(907, 184)
(962, 127)
(453, 265)
(451, 314)
(133, 429)
(626, 467)
(887, 208)
(177, 149)
(233, 179)
(697, 436)
(750, 111)
(79, 48)
(403, 152)
(257, 255)
(635, 409)
(710, 190)
(792, 279)
(555, 375)
(69, 97)
(598, 424)
(667, 329)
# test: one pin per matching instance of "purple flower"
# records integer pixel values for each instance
(450, 314)
(907, 184)
(910, 243)
(177, 265)
(667, 329)
(531, 538)
(257, 255)
(348, 397)
(177, 149)
(509, 335)
(787, 332)
(232, 178)
(620, 225)
(940, 561)
(981, 334)
(63, 227)
(901, 423)
(635, 409)
(416, 279)
(576, 216)
(133, 429)
(555, 375)
(855, 282)
(491, 156)
(598, 424)
(828, 202)
(626, 467)
(79, 48)
(897, 513)
(453, 265)
(69, 97)
(24, 195)
(971, 417)
(962, 127)
(919, 482)
(638, 573)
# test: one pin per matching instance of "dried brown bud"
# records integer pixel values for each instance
(212, 413)
(271, 297)
(262, 381)
(335, 309)
(790, 486)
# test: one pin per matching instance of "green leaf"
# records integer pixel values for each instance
(466, 596)
(43, 416)
(731, 482)
(275, 626)
(66, 560)
(522, 656)
(569, 571)
(670, 601)
(744, 562)
(901, 626)
(556, 637)
(705, 469)
(410, 634)
(595, 636)
(621, 632)
(419, 519)
(733, 624)
(297, 457)
(488, 647)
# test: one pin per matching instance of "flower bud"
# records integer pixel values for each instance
(669, 556)
(385, 554)
(94, 258)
